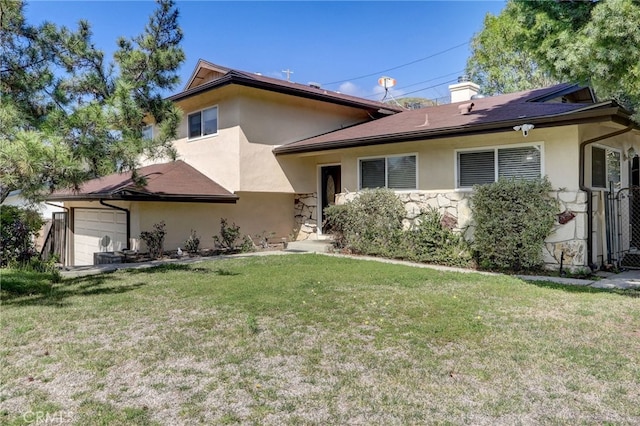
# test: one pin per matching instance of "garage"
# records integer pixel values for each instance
(98, 230)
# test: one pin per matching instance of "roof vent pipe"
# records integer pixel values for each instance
(466, 108)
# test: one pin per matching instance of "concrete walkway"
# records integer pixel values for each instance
(625, 280)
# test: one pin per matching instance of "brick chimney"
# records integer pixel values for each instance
(463, 90)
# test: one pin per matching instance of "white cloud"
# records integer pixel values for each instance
(348, 88)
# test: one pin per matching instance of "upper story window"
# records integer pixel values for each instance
(203, 123)
(147, 132)
(393, 172)
(605, 167)
(487, 165)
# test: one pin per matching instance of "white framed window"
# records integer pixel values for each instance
(605, 167)
(147, 132)
(393, 171)
(203, 123)
(487, 165)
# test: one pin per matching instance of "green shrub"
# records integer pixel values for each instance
(513, 218)
(370, 224)
(230, 239)
(155, 240)
(18, 228)
(337, 223)
(431, 241)
(192, 244)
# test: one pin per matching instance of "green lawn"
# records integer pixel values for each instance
(312, 339)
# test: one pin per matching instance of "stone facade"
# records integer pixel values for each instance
(568, 240)
(305, 215)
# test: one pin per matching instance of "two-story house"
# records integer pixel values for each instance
(269, 154)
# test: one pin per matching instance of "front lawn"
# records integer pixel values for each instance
(312, 339)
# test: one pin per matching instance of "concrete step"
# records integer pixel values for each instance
(310, 246)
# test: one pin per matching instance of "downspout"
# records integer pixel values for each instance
(588, 190)
(128, 219)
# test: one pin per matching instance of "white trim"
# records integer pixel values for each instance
(495, 149)
(386, 177)
(190, 139)
(319, 194)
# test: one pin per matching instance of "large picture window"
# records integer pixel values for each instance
(393, 172)
(203, 123)
(487, 166)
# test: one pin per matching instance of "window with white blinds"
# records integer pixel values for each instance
(476, 168)
(393, 172)
(482, 167)
(520, 163)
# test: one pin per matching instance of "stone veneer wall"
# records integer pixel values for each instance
(305, 208)
(568, 240)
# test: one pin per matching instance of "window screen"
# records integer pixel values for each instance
(476, 168)
(598, 167)
(210, 118)
(521, 163)
(372, 173)
(203, 123)
(396, 172)
(195, 125)
(401, 172)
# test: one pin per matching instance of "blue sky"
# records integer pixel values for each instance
(421, 44)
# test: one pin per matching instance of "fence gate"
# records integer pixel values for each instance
(54, 244)
(624, 232)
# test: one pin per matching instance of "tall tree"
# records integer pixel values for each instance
(588, 42)
(76, 116)
(500, 62)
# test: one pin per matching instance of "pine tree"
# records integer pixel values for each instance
(75, 115)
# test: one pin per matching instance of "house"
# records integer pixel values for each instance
(269, 155)
(232, 121)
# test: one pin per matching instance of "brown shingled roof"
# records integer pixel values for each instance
(175, 181)
(259, 81)
(490, 114)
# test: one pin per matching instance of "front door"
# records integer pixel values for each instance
(329, 186)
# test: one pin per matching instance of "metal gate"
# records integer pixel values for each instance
(624, 227)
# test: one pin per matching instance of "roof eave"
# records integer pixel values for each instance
(242, 80)
(229, 199)
(614, 114)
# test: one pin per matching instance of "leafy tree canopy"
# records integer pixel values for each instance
(68, 115)
(537, 43)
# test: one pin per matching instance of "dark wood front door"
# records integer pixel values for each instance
(330, 186)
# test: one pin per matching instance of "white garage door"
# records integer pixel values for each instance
(98, 230)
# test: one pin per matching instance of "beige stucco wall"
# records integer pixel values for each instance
(251, 123)
(437, 158)
(255, 213)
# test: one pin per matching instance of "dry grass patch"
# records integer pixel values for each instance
(310, 339)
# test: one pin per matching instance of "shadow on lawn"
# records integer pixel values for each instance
(569, 288)
(59, 293)
(168, 267)
(24, 289)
